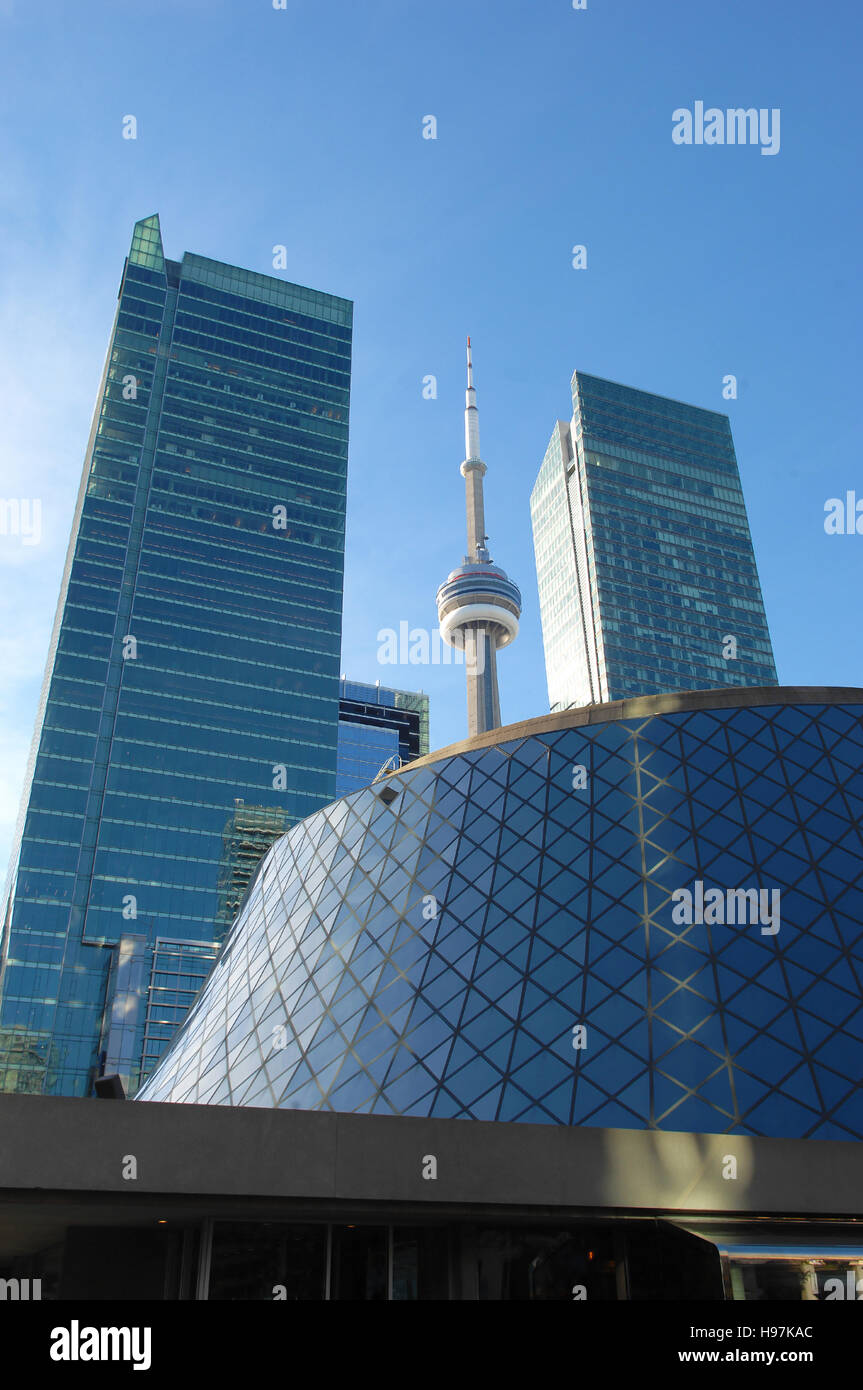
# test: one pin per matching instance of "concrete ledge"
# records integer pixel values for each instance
(59, 1144)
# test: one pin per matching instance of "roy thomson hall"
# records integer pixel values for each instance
(570, 1010)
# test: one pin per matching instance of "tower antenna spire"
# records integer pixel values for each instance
(471, 415)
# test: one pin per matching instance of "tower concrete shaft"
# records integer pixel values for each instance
(483, 699)
(473, 471)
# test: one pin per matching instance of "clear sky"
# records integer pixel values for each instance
(304, 127)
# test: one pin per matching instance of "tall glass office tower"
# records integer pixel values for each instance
(194, 662)
(646, 572)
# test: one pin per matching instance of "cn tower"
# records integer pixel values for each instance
(478, 607)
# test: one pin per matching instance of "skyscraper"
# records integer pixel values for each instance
(378, 727)
(152, 985)
(247, 836)
(195, 654)
(646, 572)
(478, 606)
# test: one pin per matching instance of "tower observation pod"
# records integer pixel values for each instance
(478, 607)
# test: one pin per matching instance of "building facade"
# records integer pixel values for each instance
(152, 985)
(195, 655)
(296, 1205)
(378, 728)
(646, 571)
(644, 916)
(247, 836)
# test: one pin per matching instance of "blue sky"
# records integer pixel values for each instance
(304, 127)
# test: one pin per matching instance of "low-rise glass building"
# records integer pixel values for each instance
(642, 915)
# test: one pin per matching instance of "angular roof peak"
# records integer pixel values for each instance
(146, 246)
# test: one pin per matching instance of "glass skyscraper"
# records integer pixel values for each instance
(152, 986)
(646, 571)
(378, 727)
(194, 663)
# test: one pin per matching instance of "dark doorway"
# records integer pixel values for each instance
(359, 1270)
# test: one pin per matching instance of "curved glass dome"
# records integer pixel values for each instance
(647, 914)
